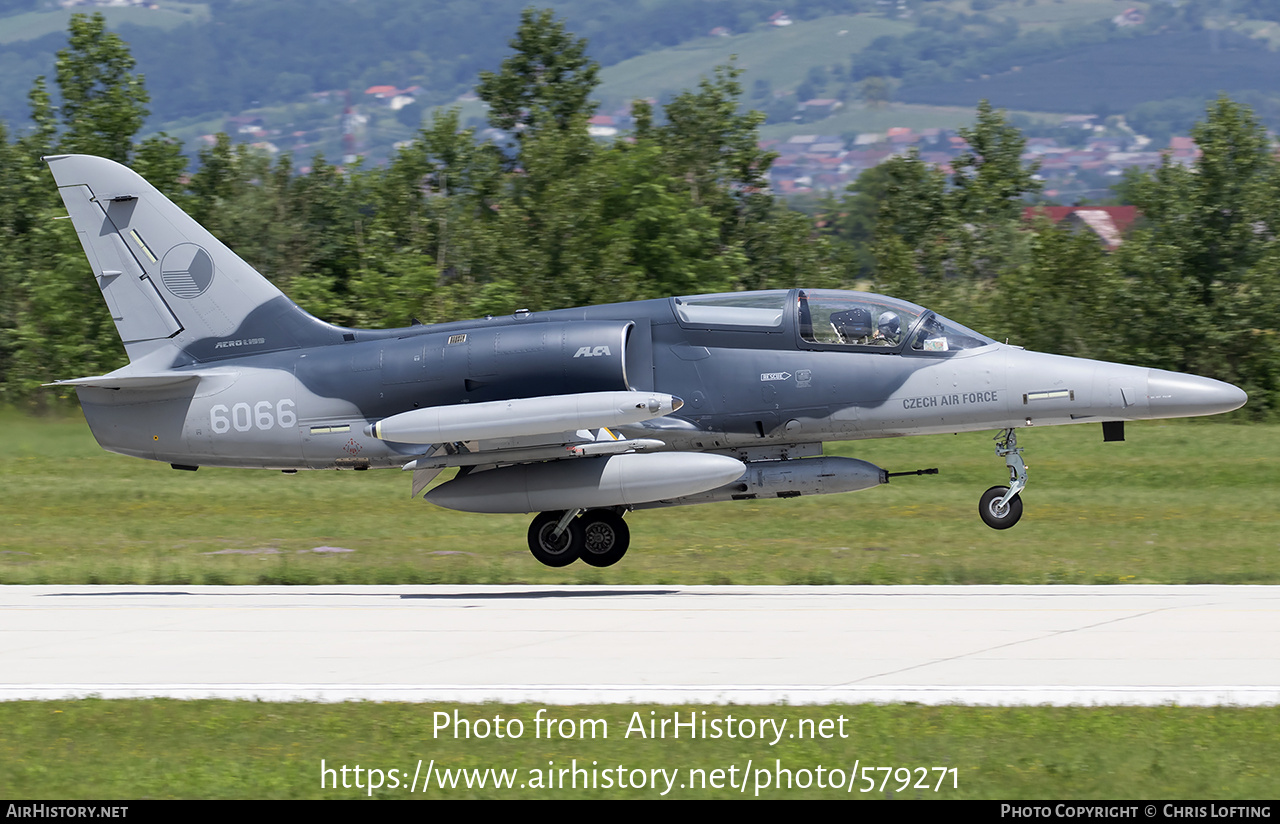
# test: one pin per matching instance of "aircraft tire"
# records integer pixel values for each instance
(999, 517)
(605, 537)
(550, 551)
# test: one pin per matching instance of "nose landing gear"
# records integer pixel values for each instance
(1001, 506)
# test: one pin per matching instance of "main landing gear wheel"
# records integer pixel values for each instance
(551, 549)
(996, 516)
(605, 537)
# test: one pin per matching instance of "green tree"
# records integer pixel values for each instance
(989, 188)
(546, 83)
(710, 152)
(852, 218)
(103, 103)
(32, 175)
(876, 92)
(26, 201)
(55, 321)
(672, 246)
(1218, 210)
(62, 328)
(160, 161)
(548, 247)
(944, 240)
(1067, 298)
(712, 145)
(9, 188)
(1203, 263)
(989, 180)
(915, 229)
(551, 219)
(227, 197)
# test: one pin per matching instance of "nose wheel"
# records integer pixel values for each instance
(998, 513)
(1001, 506)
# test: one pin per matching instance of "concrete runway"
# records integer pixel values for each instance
(667, 644)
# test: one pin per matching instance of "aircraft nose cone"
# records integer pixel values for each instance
(1175, 395)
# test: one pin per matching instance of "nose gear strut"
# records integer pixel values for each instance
(1001, 506)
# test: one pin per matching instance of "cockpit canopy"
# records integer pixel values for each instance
(864, 319)
(826, 317)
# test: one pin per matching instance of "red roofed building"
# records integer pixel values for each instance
(1184, 150)
(1109, 223)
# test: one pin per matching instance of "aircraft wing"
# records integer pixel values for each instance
(522, 430)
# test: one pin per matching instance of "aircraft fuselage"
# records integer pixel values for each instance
(306, 408)
(581, 415)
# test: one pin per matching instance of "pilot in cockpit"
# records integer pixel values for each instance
(888, 330)
(856, 326)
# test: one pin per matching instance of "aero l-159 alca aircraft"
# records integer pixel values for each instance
(581, 415)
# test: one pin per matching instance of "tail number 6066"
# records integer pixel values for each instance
(262, 415)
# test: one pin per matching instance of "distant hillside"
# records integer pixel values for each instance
(29, 22)
(1120, 75)
(206, 63)
(779, 57)
(231, 55)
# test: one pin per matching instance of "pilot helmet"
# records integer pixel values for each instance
(889, 325)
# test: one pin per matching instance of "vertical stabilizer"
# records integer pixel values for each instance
(175, 292)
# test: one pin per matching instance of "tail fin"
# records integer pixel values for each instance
(176, 293)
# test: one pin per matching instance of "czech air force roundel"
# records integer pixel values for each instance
(187, 270)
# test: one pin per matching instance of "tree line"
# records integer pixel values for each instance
(455, 228)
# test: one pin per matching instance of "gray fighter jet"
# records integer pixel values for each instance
(581, 415)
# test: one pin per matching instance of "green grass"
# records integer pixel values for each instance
(226, 749)
(1180, 502)
(33, 24)
(783, 56)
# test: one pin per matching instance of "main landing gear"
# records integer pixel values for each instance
(1001, 506)
(599, 537)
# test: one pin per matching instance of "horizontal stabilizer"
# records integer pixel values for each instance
(144, 381)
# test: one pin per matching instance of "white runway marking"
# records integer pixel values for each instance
(1197, 645)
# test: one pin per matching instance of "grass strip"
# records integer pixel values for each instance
(1178, 503)
(159, 748)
